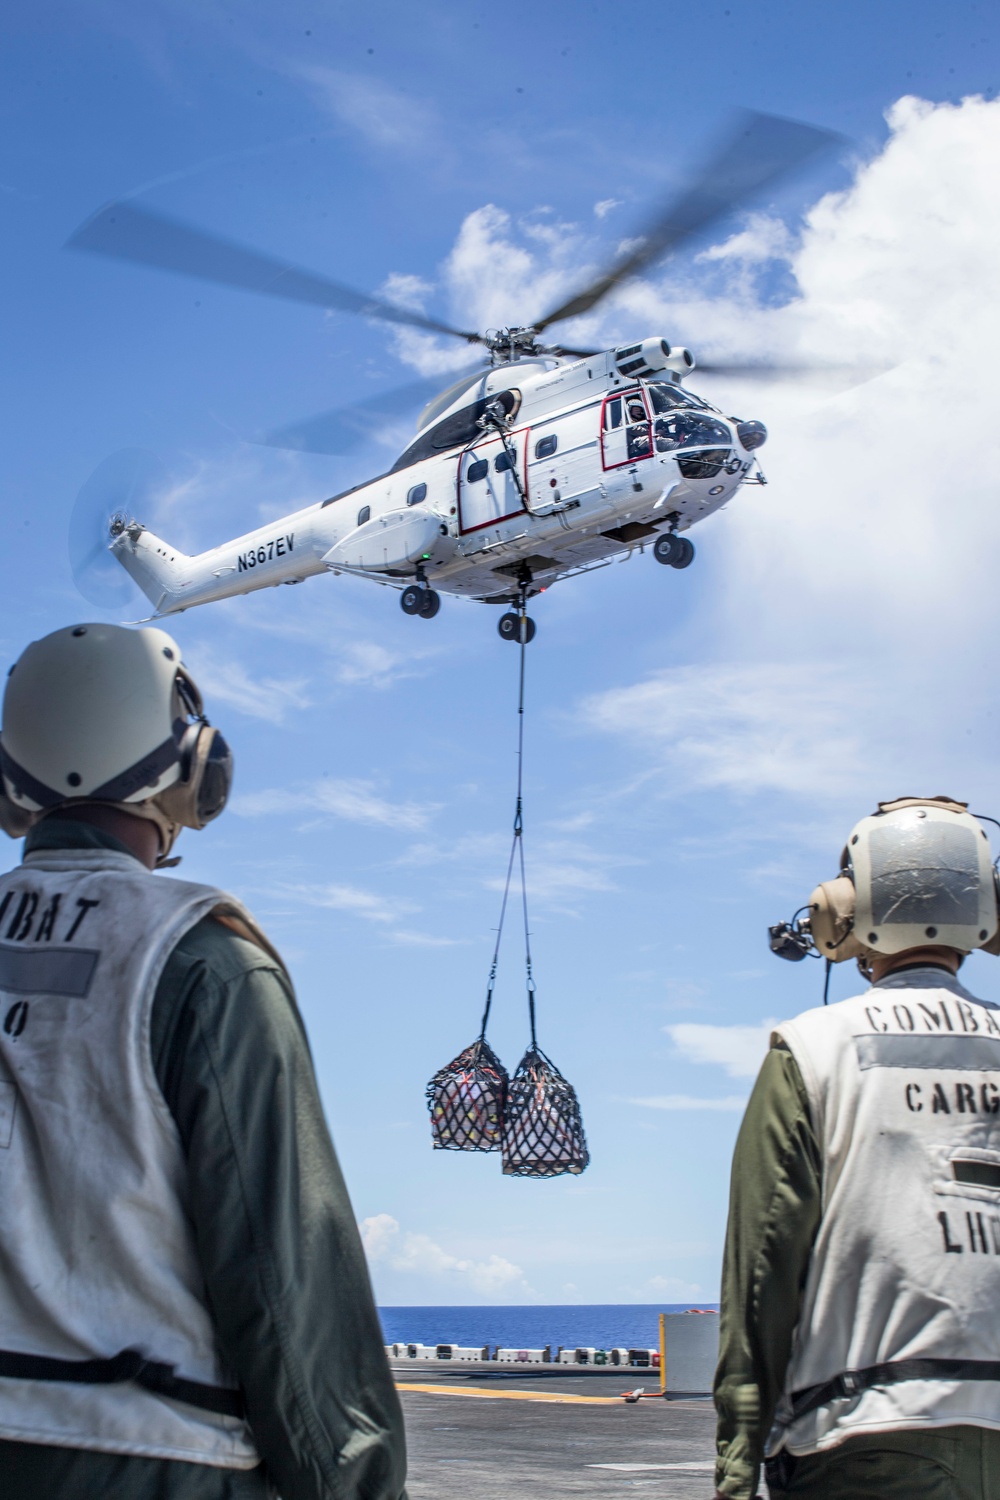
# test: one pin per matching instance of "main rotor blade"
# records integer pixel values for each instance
(346, 427)
(859, 370)
(760, 151)
(127, 232)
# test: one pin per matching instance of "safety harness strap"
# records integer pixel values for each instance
(129, 1365)
(852, 1381)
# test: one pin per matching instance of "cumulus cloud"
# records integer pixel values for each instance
(400, 1250)
(846, 646)
(738, 1049)
(354, 800)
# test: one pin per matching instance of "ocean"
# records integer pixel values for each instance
(627, 1325)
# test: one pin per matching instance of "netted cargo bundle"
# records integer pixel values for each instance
(466, 1100)
(542, 1129)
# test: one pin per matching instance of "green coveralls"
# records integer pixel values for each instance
(774, 1212)
(284, 1269)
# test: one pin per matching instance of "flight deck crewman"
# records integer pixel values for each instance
(860, 1328)
(185, 1311)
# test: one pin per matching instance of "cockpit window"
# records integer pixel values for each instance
(666, 397)
(688, 429)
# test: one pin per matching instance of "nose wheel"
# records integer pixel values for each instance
(673, 551)
(509, 628)
(416, 600)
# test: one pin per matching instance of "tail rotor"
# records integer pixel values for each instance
(122, 487)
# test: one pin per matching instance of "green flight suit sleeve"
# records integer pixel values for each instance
(774, 1213)
(284, 1268)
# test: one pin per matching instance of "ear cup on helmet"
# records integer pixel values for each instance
(15, 820)
(206, 778)
(831, 920)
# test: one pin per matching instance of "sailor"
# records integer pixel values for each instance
(860, 1327)
(185, 1311)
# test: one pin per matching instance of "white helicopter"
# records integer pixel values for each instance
(546, 463)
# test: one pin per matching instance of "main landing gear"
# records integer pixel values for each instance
(418, 599)
(509, 627)
(673, 551)
(518, 626)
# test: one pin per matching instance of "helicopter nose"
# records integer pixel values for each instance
(751, 434)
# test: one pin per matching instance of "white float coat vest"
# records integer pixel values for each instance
(97, 1253)
(904, 1092)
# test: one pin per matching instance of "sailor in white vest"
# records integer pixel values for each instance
(185, 1311)
(860, 1331)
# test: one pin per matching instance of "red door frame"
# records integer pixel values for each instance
(623, 396)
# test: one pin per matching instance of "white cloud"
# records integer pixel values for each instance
(762, 238)
(743, 727)
(406, 291)
(368, 664)
(351, 898)
(386, 1244)
(732, 1102)
(604, 207)
(738, 1049)
(267, 698)
(382, 115)
(353, 800)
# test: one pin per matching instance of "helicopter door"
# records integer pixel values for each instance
(625, 436)
(489, 490)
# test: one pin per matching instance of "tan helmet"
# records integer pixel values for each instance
(100, 713)
(917, 872)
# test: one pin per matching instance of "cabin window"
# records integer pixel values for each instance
(546, 446)
(364, 514)
(502, 462)
(613, 414)
(417, 495)
(477, 470)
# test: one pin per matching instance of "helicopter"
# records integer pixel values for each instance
(541, 463)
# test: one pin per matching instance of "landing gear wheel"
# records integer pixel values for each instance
(410, 599)
(686, 557)
(509, 628)
(430, 603)
(666, 548)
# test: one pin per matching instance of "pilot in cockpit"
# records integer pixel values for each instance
(638, 428)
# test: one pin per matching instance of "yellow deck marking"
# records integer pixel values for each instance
(487, 1395)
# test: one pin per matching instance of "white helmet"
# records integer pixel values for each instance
(99, 713)
(917, 873)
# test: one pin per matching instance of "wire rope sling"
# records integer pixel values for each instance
(534, 1118)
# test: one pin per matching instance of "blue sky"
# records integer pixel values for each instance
(698, 742)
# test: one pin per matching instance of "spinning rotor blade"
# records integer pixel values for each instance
(346, 427)
(122, 485)
(761, 150)
(857, 371)
(127, 232)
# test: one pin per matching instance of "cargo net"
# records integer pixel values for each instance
(542, 1130)
(466, 1100)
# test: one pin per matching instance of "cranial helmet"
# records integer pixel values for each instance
(99, 713)
(914, 874)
